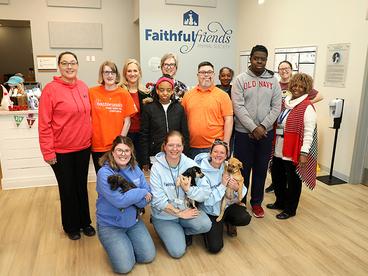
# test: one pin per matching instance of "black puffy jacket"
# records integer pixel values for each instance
(155, 125)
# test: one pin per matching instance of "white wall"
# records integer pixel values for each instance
(120, 34)
(287, 23)
(155, 15)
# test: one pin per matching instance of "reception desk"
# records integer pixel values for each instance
(22, 164)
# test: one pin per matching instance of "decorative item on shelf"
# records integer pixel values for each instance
(5, 100)
(32, 98)
(18, 119)
(30, 119)
(18, 98)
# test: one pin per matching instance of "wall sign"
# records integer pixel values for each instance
(336, 65)
(194, 34)
(46, 63)
(303, 59)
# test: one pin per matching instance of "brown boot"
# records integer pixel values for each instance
(231, 230)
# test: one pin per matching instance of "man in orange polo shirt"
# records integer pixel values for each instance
(209, 112)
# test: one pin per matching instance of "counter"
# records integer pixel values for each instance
(21, 160)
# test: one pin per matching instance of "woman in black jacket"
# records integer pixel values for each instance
(160, 117)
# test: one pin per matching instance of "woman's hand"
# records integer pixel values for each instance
(185, 182)
(188, 213)
(51, 161)
(233, 184)
(303, 159)
(225, 179)
(148, 197)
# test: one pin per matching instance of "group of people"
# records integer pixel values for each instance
(129, 130)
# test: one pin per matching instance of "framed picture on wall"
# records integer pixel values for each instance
(46, 63)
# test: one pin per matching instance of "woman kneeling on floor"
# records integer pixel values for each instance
(172, 219)
(120, 229)
(212, 165)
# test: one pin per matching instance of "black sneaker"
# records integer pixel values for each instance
(188, 240)
(270, 189)
(89, 231)
(74, 236)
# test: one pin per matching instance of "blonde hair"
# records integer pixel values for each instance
(124, 81)
(113, 67)
(302, 79)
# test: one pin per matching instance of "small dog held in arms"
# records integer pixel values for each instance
(192, 172)
(232, 168)
(117, 181)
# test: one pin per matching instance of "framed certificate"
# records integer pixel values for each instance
(46, 63)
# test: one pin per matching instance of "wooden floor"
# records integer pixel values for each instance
(329, 236)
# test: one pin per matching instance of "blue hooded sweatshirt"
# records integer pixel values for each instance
(114, 208)
(164, 190)
(213, 176)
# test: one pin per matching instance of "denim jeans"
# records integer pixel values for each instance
(172, 232)
(255, 156)
(126, 246)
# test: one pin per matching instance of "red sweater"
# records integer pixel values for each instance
(64, 118)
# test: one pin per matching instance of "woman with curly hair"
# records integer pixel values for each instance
(295, 147)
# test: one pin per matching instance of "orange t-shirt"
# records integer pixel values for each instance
(205, 110)
(109, 109)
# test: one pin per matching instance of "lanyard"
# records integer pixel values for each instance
(174, 179)
(283, 115)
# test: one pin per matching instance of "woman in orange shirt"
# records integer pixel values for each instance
(111, 108)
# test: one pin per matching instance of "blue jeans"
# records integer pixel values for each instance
(172, 232)
(255, 156)
(126, 246)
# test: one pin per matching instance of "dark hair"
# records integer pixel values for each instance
(259, 48)
(113, 67)
(205, 63)
(228, 68)
(67, 53)
(109, 158)
(172, 133)
(286, 61)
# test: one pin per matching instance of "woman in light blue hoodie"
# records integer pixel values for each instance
(120, 230)
(173, 221)
(212, 165)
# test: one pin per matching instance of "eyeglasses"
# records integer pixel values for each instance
(203, 73)
(67, 64)
(220, 142)
(168, 65)
(106, 73)
(171, 146)
(121, 151)
(285, 69)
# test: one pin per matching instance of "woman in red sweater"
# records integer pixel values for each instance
(65, 139)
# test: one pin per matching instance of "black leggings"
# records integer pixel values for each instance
(235, 215)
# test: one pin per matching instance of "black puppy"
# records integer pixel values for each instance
(117, 181)
(193, 172)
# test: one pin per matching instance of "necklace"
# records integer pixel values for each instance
(174, 179)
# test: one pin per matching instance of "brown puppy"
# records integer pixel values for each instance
(232, 168)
